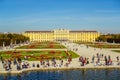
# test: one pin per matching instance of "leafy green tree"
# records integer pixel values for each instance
(12, 38)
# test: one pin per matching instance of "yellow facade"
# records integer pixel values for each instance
(62, 35)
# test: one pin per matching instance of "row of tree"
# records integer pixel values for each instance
(10, 39)
(112, 38)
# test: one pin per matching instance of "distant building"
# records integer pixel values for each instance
(62, 35)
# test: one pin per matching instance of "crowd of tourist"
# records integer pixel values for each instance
(97, 60)
(20, 64)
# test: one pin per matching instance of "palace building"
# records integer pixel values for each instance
(62, 35)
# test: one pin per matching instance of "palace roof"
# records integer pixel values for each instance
(36, 31)
(52, 31)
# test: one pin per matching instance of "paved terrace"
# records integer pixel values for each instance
(90, 51)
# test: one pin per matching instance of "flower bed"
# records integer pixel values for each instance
(37, 55)
(45, 42)
(51, 46)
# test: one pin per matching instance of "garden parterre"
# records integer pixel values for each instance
(37, 55)
(104, 45)
(42, 45)
(116, 51)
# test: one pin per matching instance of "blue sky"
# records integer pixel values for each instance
(22, 15)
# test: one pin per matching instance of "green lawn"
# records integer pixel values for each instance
(41, 47)
(83, 42)
(37, 55)
(104, 46)
(45, 42)
(74, 55)
(116, 51)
